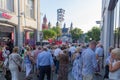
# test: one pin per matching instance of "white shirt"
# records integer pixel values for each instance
(116, 74)
(57, 51)
(72, 49)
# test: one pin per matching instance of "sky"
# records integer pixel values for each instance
(82, 13)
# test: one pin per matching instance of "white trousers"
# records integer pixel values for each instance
(15, 74)
(28, 69)
(88, 77)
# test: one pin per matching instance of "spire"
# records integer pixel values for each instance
(64, 25)
(57, 24)
(45, 19)
(49, 25)
(71, 26)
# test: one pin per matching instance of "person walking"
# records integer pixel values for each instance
(72, 50)
(99, 55)
(77, 64)
(106, 76)
(28, 60)
(89, 62)
(63, 66)
(6, 70)
(44, 64)
(14, 62)
(56, 61)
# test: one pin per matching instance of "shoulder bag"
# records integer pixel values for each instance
(19, 67)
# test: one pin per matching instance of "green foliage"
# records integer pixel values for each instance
(49, 34)
(57, 30)
(94, 34)
(87, 39)
(117, 31)
(76, 33)
(31, 34)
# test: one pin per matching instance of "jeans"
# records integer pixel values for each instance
(45, 70)
(106, 71)
(57, 66)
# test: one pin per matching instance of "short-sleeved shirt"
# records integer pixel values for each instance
(99, 51)
(44, 59)
(89, 62)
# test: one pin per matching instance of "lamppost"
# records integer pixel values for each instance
(38, 20)
(19, 28)
(99, 23)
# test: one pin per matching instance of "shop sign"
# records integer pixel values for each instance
(5, 15)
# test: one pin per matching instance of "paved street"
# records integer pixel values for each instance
(22, 75)
(54, 77)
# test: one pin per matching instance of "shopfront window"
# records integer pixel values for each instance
(30, 8)
(117, 25)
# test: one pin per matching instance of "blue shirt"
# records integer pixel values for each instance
(27, 59)
(44, 59)
(99, 51)
(108, 59)
(89, 62)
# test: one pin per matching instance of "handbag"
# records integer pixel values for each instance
(19, 68)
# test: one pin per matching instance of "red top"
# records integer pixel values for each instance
(1, 57)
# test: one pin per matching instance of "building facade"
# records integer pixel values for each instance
(110, 24)
(17, 19)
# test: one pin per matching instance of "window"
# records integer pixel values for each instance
(1, 4)
(117, 25)
(10, 5)
(30, 8)
(7, 5)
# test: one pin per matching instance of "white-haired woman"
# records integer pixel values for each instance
(114, 65)
(14, 61)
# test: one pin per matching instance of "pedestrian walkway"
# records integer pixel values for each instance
(22, 76)
(54, 77)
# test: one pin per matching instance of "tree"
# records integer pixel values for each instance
(93, 34)
(49, 34)
(76, 33)
(57, 30)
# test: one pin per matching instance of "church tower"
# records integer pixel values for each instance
(44, 25)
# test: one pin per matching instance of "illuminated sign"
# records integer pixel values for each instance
(5, 15)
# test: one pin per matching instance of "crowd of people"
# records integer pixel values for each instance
(86, 61)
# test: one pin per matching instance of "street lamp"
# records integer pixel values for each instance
(90, 39)
(19, 28)
(98, 22)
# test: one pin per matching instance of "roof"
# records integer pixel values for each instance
(65, 30)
